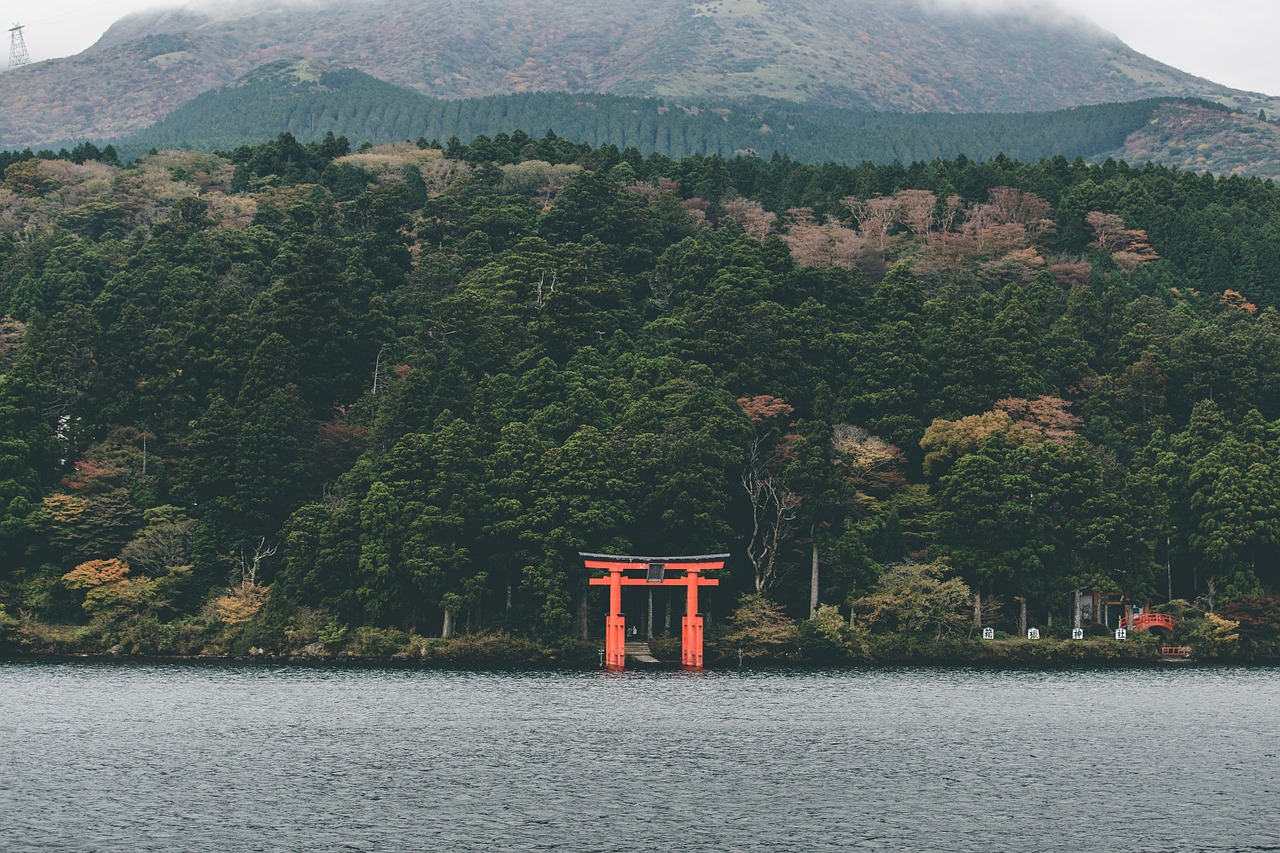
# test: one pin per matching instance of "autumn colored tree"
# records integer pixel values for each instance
(1128, 247)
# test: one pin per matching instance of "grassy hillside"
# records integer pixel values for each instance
(1191, 137)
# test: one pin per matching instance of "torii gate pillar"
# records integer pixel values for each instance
(615, 626)
(691, 624)
(655, 569)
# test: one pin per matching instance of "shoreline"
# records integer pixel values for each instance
(722, 663)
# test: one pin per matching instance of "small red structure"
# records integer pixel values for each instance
(625, 571)
(1156, 623)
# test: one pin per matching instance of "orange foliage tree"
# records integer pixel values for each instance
(241, 604)
(1235, 300)
(1049, 417)
(94, 573)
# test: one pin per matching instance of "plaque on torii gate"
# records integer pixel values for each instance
(625, 570)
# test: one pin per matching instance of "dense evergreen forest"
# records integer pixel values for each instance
(293, 396)
(309, 102)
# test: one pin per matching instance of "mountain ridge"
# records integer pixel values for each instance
(913, 56)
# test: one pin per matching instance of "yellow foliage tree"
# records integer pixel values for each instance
(946, 441)
(127, 595)
(1216, 638)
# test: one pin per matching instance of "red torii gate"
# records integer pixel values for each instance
(655, 569)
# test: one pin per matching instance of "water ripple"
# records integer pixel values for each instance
(195, 758)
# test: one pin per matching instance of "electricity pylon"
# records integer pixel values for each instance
(17, 47)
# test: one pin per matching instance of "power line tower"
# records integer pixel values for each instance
(17, 47)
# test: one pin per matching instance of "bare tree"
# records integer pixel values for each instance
(916, 211)
(544, 289)
(822, 246)
(875, 216)
(773, 515)
(951, 210)
(773, 506)
(1025, 208)
(12, 335)
(245, 566)
(751, 215)
(161, 547)
(1128, 246)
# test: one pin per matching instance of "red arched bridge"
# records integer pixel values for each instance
(1160, 624)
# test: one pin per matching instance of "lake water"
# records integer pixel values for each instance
(134, 757)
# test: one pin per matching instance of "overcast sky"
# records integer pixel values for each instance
(1232, 42)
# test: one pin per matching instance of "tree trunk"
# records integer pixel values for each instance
(977, 610)
(508, 598)
(813, 582)
(648, 629)
(447, 631)
(583, 614)
(1076, 623)
(666, 617)
(1022, 616)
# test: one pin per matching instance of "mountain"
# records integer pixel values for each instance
(309, 100)
(888, 55)
(1196, 139)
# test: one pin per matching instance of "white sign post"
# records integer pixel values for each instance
(1077, 633)
(988, 633)
(1122, 634)
(1033, 633)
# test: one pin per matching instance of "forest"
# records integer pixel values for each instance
(294, 398)
(311, 102)
(310, 99)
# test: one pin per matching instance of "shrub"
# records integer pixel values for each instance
(1258, 617)
(369, 642)
(825, 637)
(7, 624)
(759, 630)
(917, 599)
(1215, 638)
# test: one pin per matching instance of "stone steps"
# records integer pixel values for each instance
(640, 652)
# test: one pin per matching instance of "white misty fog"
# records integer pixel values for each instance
(1231, 42)
(1228, 41)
